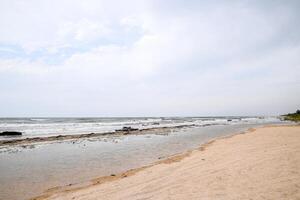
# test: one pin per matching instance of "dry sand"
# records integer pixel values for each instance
(260, 164)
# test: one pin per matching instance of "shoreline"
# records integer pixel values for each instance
(177, 158)
(34, 140)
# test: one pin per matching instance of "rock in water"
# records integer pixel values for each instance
(127, 128)
(10, 133)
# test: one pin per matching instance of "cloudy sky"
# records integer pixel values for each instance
(149, 58)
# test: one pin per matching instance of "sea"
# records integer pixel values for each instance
(27, 171)
(43, 127)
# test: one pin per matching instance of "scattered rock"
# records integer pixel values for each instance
(10, 133)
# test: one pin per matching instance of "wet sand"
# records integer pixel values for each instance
(260, 164)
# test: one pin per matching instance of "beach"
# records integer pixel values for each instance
(149, 100)
(58, 152)
(262, 163)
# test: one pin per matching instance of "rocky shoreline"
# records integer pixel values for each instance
(155, 130)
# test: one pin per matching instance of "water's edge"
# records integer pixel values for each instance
(35, 167)
(168, 160)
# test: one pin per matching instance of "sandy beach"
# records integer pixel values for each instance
(259, 164)
(149, 100)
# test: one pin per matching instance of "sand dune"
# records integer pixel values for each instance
(261, 164)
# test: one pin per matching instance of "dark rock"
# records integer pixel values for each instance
(127, 128)
(10, 133)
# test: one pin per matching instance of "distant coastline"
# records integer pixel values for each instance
(293, 116)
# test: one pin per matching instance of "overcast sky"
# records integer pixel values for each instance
(149, 58)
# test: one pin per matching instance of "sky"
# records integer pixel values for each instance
(98, 58)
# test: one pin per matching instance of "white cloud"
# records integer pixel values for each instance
(209, 60)
(83, 30)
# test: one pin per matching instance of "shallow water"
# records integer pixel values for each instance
(27, 172)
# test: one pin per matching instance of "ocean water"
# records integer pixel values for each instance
(27, 171)
(41, 127)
